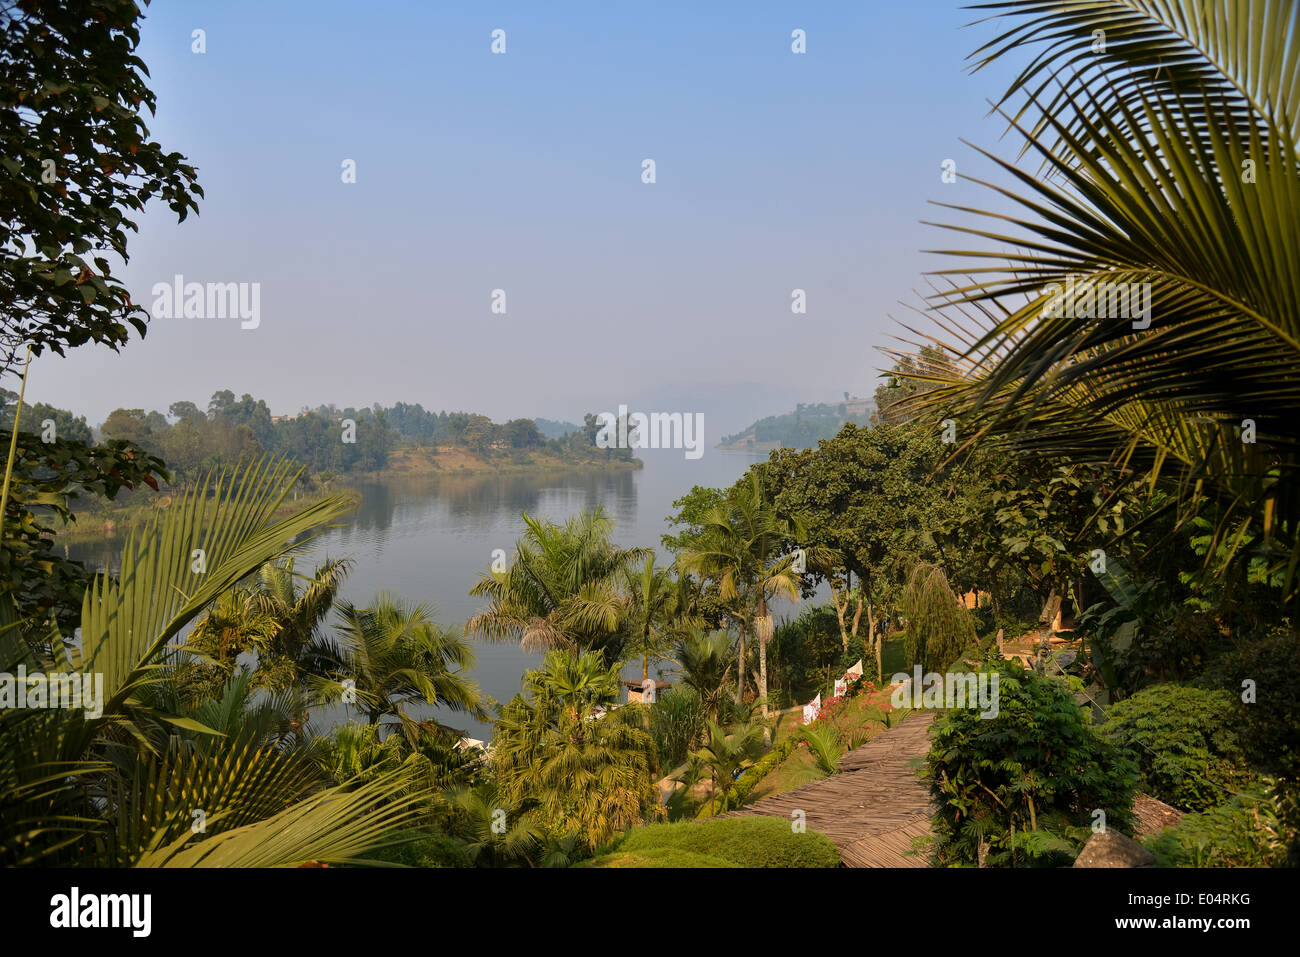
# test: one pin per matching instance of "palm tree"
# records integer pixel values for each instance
(657, 612)
(726, 752)
(748, 549)
(300, 612)
(560, 592)
(118, 784)
(704, 662)
(395, 655)
(1168, 134)
(274, 618)
(495, 831)
(588, 768)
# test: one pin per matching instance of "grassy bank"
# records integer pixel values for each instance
(120, 519)
(460, 461)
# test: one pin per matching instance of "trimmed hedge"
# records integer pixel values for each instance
(734, 842)
(655, 857)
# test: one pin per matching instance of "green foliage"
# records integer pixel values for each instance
(1038, 766)
(806, 652)
(49, 480)
(939, 628)
(809, 424)
(560, 591)
(825, 745)
(1143, 634)
(677, 721)
(395, 654)
(856, 651)
(875, 496)
(421, 849)
(657, 857)
(753, 775)
(590, 776)
(1270, 726)
(77, 162)
(1135, 175)
(705, 661)
(130, 775)
(725, 752)
(1184, 742)
(1253, 829)
(736, 842)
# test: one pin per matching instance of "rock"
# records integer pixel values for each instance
(1112, 849)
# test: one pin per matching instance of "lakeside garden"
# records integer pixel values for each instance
(1102, 513)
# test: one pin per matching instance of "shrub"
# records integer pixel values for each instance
(676, 724)
(422, 849)
(1168, 647)
(736, 841)
(752, 775)
(655, 857)
(1183, 742)
(1270, 726)
(802, 651)
(857, 652)
(1026, 782)
(1249, 830)
(939, 628)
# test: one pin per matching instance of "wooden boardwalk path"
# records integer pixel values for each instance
(875, 806)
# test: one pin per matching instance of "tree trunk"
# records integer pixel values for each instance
(841, 606)
(763, 630)
(1050, 608)
(740, 665)
(876, 640)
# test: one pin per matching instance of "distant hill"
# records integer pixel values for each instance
(556, 430)
(802, 428)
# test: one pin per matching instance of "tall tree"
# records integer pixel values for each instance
(658, 612)
(78, 162)
(589, 768)
(396, 655)
(1139, 312)
(561, 589)
(748, 550)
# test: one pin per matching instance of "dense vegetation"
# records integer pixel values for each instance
(327, 440)
(1088, 469)
(804, 427)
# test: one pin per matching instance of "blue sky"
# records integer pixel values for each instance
(522, 172)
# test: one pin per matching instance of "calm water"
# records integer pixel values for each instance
(430, 539)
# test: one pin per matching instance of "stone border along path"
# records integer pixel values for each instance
(875, 806)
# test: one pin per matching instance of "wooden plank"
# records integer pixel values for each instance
(875, 808)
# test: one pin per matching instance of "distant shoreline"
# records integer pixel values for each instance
(455, 460)
(448, 461)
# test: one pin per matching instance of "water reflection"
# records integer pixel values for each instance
(428, 538)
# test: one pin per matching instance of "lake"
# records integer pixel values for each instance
(429, 539)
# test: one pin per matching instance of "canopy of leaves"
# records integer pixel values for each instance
(78, 162)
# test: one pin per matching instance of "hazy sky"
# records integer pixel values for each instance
(522, 172)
